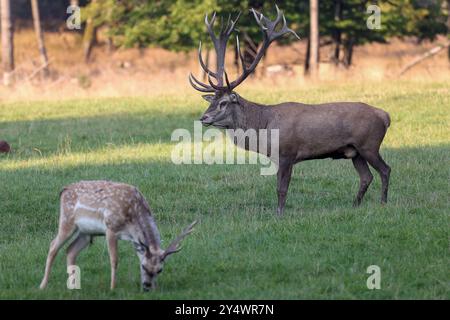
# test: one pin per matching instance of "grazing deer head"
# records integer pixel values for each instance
(333, 130)
(152, 261)
(119, 211)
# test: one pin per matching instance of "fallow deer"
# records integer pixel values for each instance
(339, 130)
(118, 211)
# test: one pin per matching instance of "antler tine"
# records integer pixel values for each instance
(278, 9)
(233, 22)
(227, 81)
(199, 82)
(214, 86)
(284, 29)
(222, 30)
(280, 15)
(174, 245)
(241, 56)
(213, 19)
(272, 34)
(196, 87)
(210, 25)
(268, 26)
(259, 19)
(202, 64)
(221, 25)
(290, 30)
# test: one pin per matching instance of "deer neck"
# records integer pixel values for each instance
(252, 116)
(147, 232)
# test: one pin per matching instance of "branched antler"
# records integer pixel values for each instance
(199, 86)
(175, 244)
(220, 45)
(268, 28)
(202, 64)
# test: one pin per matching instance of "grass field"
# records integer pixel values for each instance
(320, 249)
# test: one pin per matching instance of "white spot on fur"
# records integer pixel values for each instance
(79, 205)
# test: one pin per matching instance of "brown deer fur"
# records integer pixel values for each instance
(118, 211)
(339, 130)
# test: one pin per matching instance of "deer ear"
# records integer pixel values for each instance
(209, 97)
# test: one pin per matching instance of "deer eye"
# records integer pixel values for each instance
(222, 104)
(139, 248)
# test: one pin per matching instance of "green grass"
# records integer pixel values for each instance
(320, 249)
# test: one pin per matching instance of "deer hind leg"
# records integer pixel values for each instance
(376, 161)
(55, 245)
(111, 240)
(365, 178)
(75, 248)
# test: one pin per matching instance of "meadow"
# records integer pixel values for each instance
(321, 248)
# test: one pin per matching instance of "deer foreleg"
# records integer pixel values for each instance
(111, 239)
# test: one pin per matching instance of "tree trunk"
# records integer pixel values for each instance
(448, 27)
(307, 54)
(336, 31)
(7, 42)
(109, 44)
(348, 52)
(40, 37)
(314, 38)
(250, 50)
(89, 38)
(109, 38)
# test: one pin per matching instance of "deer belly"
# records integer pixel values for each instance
(90, 225)
(89, 219)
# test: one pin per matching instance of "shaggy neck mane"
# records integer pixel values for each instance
(256, 116)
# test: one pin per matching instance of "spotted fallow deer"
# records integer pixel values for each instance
(338, 130)
(118, 211)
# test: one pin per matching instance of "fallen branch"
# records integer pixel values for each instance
(35, 72)
(423, 57)
(56, 82)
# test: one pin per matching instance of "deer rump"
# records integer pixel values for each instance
(331, 130)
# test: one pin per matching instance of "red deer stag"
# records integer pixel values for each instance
(338, 130)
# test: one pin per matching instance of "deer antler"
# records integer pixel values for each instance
(268, 28)
(220, 45)
(175, 245)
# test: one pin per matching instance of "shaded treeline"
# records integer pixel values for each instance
(177, 25)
